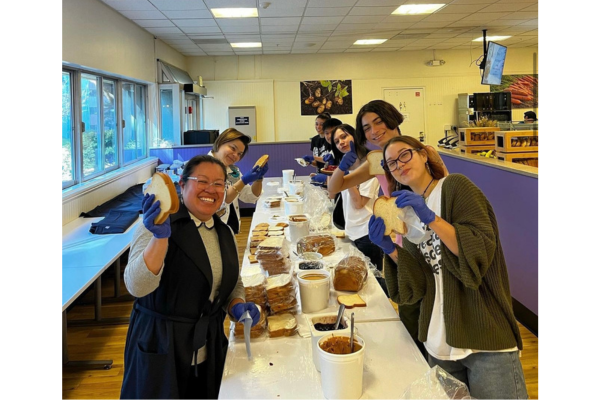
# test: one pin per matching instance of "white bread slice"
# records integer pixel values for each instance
(374, 157)
(262, 161)
(163, 188)
(351, 300)
(385, 207)
(282, 325)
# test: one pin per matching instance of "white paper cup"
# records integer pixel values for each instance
(314, 294)
(342, 374)
(328, 318)
(298, 229)
(288, 175)
(296, 187)
(292, 205)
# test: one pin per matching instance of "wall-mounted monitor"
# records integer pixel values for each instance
(207, 136)
(494, 64)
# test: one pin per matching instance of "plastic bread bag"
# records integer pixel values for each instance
(322, 243)
(318, 205)
(276, 267)
(351, 273)
(416, 232)
(255, 288)
(281, 294)
(437, 384)
(258, 331)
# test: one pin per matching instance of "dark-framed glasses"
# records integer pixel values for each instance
(204, 184)
(403, 158)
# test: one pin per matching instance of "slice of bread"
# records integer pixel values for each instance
(351, 300)
(374, 158)
(262, 161)
(385, 207)
(163, 189)
(282, 325)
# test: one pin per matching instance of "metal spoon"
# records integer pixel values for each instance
(339, 316)
(352, 333)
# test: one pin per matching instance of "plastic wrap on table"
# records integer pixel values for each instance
(318, 203)
(281, 294)
(437, 384)
(255, 287)
(274, 252)
(272, 243)
(257, 331)
(321, 243)
(272, 202)
(276, 267)
(351, 273)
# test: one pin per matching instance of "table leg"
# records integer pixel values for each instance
(118, 277)
(87, 364)
(98, 302)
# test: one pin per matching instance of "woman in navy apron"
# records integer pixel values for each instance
(184, 274)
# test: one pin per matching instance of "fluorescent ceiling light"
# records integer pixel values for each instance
(494, 38)
(234, 12)
(370, 41)
(414, 9)
(255, 44)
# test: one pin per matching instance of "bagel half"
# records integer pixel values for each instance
(262, 161)
(163, 189)
(385, 207)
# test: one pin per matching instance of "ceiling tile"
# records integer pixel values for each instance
(321, 20)
(358, 50)
(279, 28)
(461, 9)
(179, 41)
(220, 53)
(159, 31)
(281, 12)
(143, 14)
(387, 11)
(391, 49)
(238, 22)
(216, 47)
(443, 17)
(154, 23)
(522, 15)
(331, 3)
(265, 51)
(503, 7)
(179, 4)
(230, 3)
(240, 29)
(195, 22)
(483, 17)
(188, 14)
(200, 29)
(330, 12)
(374, 19)
(277, 38)
(131, 5)
(242, 38)
(280, 21)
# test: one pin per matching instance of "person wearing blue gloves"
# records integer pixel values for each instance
(457, 273)
(184, 274)
(230, 147)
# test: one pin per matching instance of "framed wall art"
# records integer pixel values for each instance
(333, 96)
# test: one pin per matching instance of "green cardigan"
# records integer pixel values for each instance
(477, 302)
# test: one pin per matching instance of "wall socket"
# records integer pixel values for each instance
(448, 127)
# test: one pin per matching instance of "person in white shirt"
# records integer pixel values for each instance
(229, 148)
(358, 200)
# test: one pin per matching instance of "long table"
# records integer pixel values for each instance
(283, 367)
(85, 256)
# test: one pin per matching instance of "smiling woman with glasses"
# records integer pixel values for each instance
(185, 276)
(457, 273)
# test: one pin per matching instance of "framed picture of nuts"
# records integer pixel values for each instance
(334, 97)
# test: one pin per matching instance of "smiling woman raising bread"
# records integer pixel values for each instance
(184, 274)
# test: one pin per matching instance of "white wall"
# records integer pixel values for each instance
(227, 79)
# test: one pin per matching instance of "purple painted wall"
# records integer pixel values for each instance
(515, 201)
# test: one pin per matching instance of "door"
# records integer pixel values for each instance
(411, 104)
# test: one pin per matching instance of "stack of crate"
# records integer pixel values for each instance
(519, 147)
(475, 140)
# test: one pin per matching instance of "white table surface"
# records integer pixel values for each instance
(86, 255)
(282, 368)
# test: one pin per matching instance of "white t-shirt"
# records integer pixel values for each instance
(431, 249)
(357, 220)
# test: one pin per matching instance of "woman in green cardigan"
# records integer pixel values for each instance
(458, 272)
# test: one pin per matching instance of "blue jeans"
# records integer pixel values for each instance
(488, 375)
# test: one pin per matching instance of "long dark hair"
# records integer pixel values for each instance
(390, 116)
(361, 150)
(436, 169)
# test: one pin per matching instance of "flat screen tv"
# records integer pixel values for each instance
(494, 64)
(206, 136)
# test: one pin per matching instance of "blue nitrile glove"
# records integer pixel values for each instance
(376, 235)
(151, 209)
(240, 308)
(328, 158)
(320, 178)
(264, 170)
(309, 158)
(251, 175)
(407, 198)
(349, 159)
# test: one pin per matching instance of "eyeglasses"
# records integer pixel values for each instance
(403, 158)
(203, 184)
